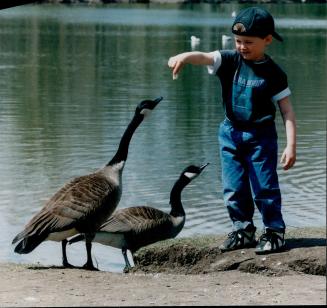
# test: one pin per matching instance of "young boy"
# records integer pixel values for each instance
(252, 84)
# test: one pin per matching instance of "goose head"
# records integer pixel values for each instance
(145, 107)
(191, 172)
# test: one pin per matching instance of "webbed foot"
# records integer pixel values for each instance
(126, 269)
(66, 264)
(90, 267)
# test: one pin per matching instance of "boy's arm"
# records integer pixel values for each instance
(289, 155)
(193, 57)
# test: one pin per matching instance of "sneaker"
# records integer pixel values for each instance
(269, 242)
(243, 238)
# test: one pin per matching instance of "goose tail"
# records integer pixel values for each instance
(18, 237)
(28, 244)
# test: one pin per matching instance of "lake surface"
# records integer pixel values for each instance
(71, 77)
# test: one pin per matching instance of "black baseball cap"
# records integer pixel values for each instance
(255, 21)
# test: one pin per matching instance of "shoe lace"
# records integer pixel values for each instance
(232, 234)
(266, 237)
(269, 236)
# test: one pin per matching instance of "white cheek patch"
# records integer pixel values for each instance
(146, 112)
(190, 175)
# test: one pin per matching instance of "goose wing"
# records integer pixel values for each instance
(74, 203)
(135, 219)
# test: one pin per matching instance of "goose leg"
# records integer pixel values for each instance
(127, 264)
(88, 243)
(65, 262)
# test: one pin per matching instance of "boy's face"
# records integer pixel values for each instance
(252, 48)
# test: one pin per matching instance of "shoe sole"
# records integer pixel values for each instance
(266, 252)
(239, 247)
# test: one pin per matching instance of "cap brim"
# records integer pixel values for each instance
(277, 36)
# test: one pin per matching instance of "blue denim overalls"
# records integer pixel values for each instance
(248, 151)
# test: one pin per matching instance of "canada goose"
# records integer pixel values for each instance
(83, 204)
(135, 227)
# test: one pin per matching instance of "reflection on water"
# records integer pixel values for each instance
(71, 78)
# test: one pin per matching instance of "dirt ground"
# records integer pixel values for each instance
(181, 272)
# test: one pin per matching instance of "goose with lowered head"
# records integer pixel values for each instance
(135, 227)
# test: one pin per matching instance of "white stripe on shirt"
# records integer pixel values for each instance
(212, 69)
(281, 95)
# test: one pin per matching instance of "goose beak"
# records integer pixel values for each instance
(203, 166)
(158, 100)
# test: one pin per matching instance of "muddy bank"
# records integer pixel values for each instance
(305, 253)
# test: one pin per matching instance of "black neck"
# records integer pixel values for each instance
(175, 197)
(122, 152)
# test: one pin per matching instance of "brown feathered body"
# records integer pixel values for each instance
(80, 206)
(136, 227)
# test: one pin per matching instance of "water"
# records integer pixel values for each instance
(70, 80)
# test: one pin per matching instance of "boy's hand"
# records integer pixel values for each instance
(288, 158)
(176, 63)
(192, 57)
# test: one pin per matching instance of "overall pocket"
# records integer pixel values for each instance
(242, 102)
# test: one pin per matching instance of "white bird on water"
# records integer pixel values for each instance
(194, 41)
(226, 40)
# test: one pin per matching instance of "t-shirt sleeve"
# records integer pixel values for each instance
(222, 59)
(281, 95)
(212, 69)
(279, 85)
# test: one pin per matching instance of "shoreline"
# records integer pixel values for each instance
(182, 271)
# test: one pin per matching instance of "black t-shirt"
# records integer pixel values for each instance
(249, 89)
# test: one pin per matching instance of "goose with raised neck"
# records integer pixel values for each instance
(82, 205)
